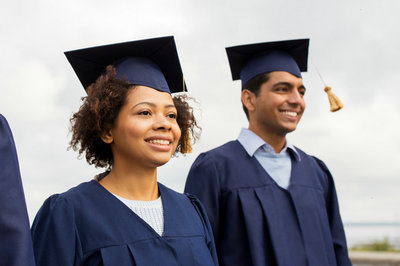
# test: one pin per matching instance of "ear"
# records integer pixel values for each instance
(107, 137)
(248, 99)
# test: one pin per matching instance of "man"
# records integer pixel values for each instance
(15, 237)
(270, 203)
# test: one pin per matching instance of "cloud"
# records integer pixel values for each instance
(354, 44)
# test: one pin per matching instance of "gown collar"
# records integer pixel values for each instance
(251, 142)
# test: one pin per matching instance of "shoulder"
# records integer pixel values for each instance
(225, 152)
(178, 200)
(218, 168)
(302, 153)
(65, 202)
(312, 159)
(170, 192)
(183, 199)
(186, 204)
(318, 167)
(223, 149)
(76, 194)
(3, 119)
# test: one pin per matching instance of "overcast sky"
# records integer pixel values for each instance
(354, 44)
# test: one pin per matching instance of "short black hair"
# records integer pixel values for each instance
(254, 86)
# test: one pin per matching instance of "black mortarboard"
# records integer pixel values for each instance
(248, 61)
(151, 62)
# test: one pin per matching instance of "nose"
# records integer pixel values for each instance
(161, 123)
(295, 97)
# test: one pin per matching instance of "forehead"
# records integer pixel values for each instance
(283, 76)
(146, 94)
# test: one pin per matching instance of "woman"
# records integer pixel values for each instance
(130, 124)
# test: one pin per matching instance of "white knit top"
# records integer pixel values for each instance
(150, 211)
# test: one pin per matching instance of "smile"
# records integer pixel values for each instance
(289, 113)
(159, 141)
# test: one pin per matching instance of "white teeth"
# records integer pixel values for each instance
(159, 141)
(288, 113)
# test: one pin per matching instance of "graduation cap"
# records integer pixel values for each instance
(248, 61)
(151, 62)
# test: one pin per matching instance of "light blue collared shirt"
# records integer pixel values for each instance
(277, 165)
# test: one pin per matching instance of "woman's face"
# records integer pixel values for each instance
(145, 132)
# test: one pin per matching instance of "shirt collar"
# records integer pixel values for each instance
(251, 142)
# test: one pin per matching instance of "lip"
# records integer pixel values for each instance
(160, 143)
(290, 114)
(168, 138)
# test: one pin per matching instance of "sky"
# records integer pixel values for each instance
(353, 44)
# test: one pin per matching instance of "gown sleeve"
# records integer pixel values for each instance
(335, 221)
(54, 236)
(15, 239)
(203, 182)
(207, 227)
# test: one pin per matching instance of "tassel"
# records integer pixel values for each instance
(334, 101)
(186, 146)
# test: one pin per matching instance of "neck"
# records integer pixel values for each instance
(132, 182)
(277, 141)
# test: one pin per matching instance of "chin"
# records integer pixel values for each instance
(160, 162)
(290, 130)
(287, 130)
(290, 127)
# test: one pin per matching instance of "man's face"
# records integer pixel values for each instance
(279, 105)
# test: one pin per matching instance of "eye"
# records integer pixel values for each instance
(172, 116)
(302, 92)
(144, 113)
(282, 89)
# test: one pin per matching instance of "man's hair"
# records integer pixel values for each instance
(254, 86)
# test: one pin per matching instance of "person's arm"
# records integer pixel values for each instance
(54, 235)
(335, 221)
(203, 182)
(15, 239)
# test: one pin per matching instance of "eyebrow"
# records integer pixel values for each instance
(153, 105)
(288, 84)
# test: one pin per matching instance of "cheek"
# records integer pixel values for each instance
(177, 132)
(303, 105)
(132, 131)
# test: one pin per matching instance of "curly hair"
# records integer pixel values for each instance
(187, 123)
(99, 111)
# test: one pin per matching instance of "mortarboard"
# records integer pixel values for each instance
(151, 62)
(248, 61)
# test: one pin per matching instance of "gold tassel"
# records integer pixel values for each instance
(334, 101)
(186, 146)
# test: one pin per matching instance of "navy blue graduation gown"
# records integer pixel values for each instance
(256, 222)
(87, 225)
(15, 239)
